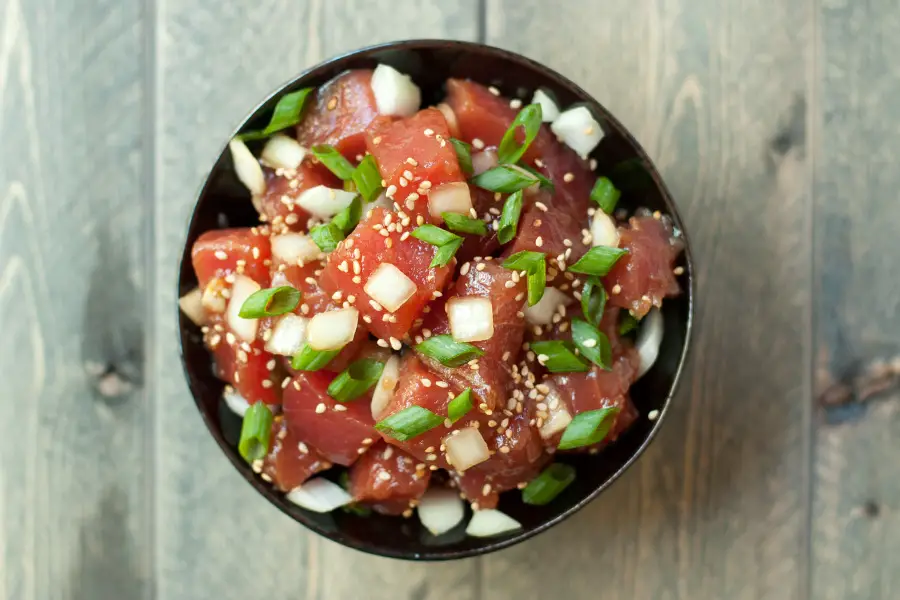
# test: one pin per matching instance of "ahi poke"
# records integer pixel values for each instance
(437, 305)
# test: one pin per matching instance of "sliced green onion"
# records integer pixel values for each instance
(592, 343)
(445, 253)
(270, 302)
(255, 432)
(349, 186)
(460, 405)
(463, 155)
(354, 508)
(547, 486)
(464, 224)
(523, 261)
(367, 178)
(288, 112)
(529, 119)
(434, 235)
(537, 281)
(559, 357)
(447, 351)
(505, 179)
(628, 324)
(334, 161)
(326, 236)
(598, 260)
(349, 217)
(308, 359)
(588, 428)
(605, 194)
(542, 179)
(593, 300)
(355, 380)
(509, 218)
(410, 422)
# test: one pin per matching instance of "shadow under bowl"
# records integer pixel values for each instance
(224, 202)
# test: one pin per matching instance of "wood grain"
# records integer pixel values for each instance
(717, 94)
(216, 60)
(74, 511)
(856, 523)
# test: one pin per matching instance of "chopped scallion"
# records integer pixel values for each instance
(529, 119)
(410, 422)
(355, 380)
(460, 405)
(593, 300)
(505, 179)
(347, 220)
(308, 359)
(588, 428)
(447, 351)
(628, 324)
(445, 253)
(334, 161)
(327, 236)
(464, 223)
(543, 180)
(598, 260)
(548, 485)
(270, 302)
(434, 235)
(537, 281)
(367, 178)
(523, 261)
(559, 357)
(288, 112)
(255, 432)
(509, 218)
(592, 343)
(463, 155)
(605, 194)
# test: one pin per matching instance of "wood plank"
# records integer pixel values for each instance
(216, 60)
(856, 527)
(74, 509)
(716, 91)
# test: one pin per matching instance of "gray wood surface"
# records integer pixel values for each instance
(774, 124)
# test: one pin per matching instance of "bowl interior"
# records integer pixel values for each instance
(224, 202)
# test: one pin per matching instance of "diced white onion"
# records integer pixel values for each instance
(247, 168)
(649, 338)
(288, 335)
(578, 129)
(471, 318)
(324, 202)
(542, 312)
(390, 287)
(549, 109)
(235, 401)
(283, 152)
(383, 392)
(603, 230)
(559, 416)
(450, 117)
(332, 330)
(484, 161)
(242, 289)
(466, 449)
(440, 510)
(395, 93)
(490, 522)
(294, 248)
(450, 197)
(191, 305)
(319, 495)
(213, 300)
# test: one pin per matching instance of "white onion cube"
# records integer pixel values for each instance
(648, 340)
(213, 298)
(604, 231)
(466, 448)
(450, 117)
(542, 312)
(332, 330)
(395, 93)
(390, 287)
(283, 152)
(450, 197)
(191, 305)
(471, 318)
(549, 109)
(324, 202)
(559, 416)
(440, 510)
(319, 495)
(242, 289)
(234, 401)
(247, 168)
(288, 335)
(383, 392)
(489, 522)
(294, 248)
(578, 129)
(484, 161)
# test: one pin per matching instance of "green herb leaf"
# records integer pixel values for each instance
(255, 432)
(355, 380)
(588, 428)
(433, 235)
(308, 359)
(288, 112)
(605, 195)
(463, 155)
(537, 281)
(545, 487)
(542, 179)
(627, 324)
(509, 218)
(334, 161)
(445, 253)
(447, 351)
(598, 260)
(367, 178)
(529, 119)
(524, 261)
(505, 179)
(460, 405)
(464, 224)
(410, 422)
(592, 343)
(593, 300)
(559, 357)
(270, 302)
(347, 220)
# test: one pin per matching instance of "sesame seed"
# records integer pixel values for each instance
(384, 476)
(539, 241)
(392, 189)
(429, 132)
(477, 144)
(494, 91)
(411, 198)
(412, 161)
(425, 185)
(426, 382)
(357, 279)
(375, 305)
(408, 175)
(395, 343)
(568, 177)
(465, 269)
(339, 408)
(332, 103)
(442, 384)
(403, 182)
(593, 164)
(388, 243)
(320, 408)
(376, 140)
(653, 415)
(616, 289)
(220, 255)
(678, 270)
(515, 103)
(382, 343)
(367, 319)
(480, 266)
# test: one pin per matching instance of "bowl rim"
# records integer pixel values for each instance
(491, 544)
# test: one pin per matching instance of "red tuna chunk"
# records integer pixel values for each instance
(290, 461)
(216, 254)
(278, 206)
(245, 366)
(386, 478)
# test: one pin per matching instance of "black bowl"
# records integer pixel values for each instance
(223, 202)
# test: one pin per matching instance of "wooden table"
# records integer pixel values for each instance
(777, 473)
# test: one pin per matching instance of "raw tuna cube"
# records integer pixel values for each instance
(386, 478)
(342, 110)
(357, 258)
(341, 432)
(252, 371)
(278, 206)
(556, 233)
(290, 461)
(224, 252)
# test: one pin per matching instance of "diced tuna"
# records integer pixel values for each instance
(290, 461)
(386, 478)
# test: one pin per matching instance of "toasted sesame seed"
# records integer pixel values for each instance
(332, 103)
(678, 270)
(395, 343)
(427, 383)
(593, 164)
(429, 132)
(384, 476)
(616, 289)
(653, 415)
(339, 408)
(494, 91)
(376, 140)
(411, 161)
(480, 266)
(477, 143)
(568, 177)
(320, 408)
(220, 254)
(403, 182)
(515, 103)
